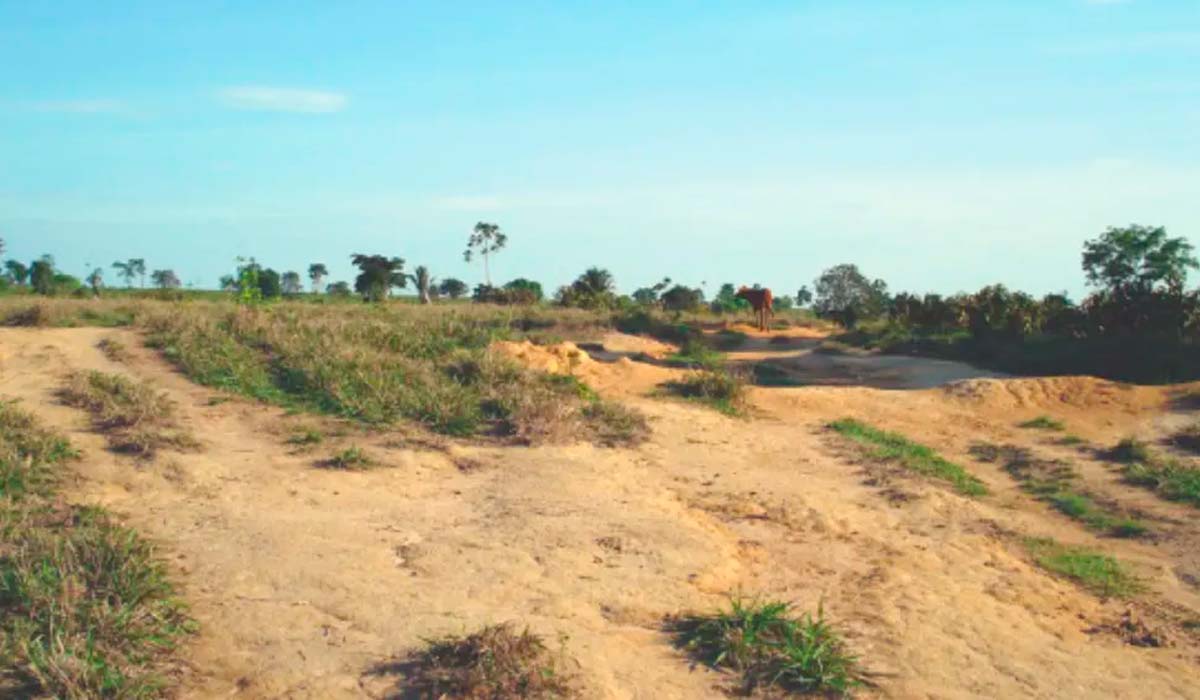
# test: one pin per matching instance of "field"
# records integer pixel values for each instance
(349, 500)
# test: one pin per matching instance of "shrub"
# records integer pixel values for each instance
(495, 663)
(721, 389)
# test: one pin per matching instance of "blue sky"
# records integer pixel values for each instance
(938, 145)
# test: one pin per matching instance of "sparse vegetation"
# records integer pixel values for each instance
(86, 609)
(770, 647)
(919, 458)
(135, 417)
(114, 350)
(722, 389)
(1097, 572)
(1169, 478)
(495, 663)
(306, 437)
(1043, 423)
(1055, 482)
(352, 458)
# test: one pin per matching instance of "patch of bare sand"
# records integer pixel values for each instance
(303, 579)
(620, 377)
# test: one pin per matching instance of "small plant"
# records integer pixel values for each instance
(919, 458)
(306, 437)
(1099, 573)
(1043, 423)
(495, 663)
(721, 389)
(135, 417)
(351, 458)
(770, 647)
(615, 424)
(694, 353)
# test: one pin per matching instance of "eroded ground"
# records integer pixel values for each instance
(304, 579)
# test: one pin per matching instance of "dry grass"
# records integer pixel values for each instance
(135, 417)
(86, 608)
(496, 663)
(114, 350)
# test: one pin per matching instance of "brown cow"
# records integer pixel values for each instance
(761, 300)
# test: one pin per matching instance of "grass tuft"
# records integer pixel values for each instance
(86, 608)
(1099, 573)
(135, 417)
(770, 647)
(114, 350)
(1043, 423)
(350, 459)
(722, 389)
(495, 663)
(306, 437)
(919, 458)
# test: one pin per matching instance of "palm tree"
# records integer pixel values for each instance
(96, 281)
(125, 270)
(139, 267)
(317, 272)
(595, 282)
(423, 282)
(487, 239)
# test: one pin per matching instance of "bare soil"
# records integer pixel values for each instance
(304, 579)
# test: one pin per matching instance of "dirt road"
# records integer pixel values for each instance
(303, 578)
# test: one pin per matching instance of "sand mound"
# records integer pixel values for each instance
(1054, 392)
(623, 343)
(622, 377)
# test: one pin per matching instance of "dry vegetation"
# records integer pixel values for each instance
(495, 663)
(86, 610)
(136, 417)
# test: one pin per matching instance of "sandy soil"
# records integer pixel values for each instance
(304, 579)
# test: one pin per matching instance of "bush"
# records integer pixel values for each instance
(721, 389)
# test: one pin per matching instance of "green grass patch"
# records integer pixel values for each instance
(306, 438)
(1172, 479)
(1043, 423)
(771, 648)
(352, 458)
(695, 353)
(919, 458)
(86, 607)
(1097, 572)
(1054, 482)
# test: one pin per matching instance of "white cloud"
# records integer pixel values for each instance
(278, 99)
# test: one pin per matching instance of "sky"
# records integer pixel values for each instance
(940, 146)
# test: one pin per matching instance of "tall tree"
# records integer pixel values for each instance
(317, 272)
(96, 281)
(453, 288)
(486, 239)
(291, 283)
(139, 268)
(377, 275)
(423, 281)
(846, 295)
(165, 279)
(41, 276)
(1137, 260)
(17, 270)
(270, 284)
(125, 269)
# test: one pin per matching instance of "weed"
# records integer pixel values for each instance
(352, 459)
(919, 458)
(495, 663)
(1070, 440)
(86, 610)
(770, 647)
(694, 353)
(135, 417)
(1043, 423)
(1096, 572)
